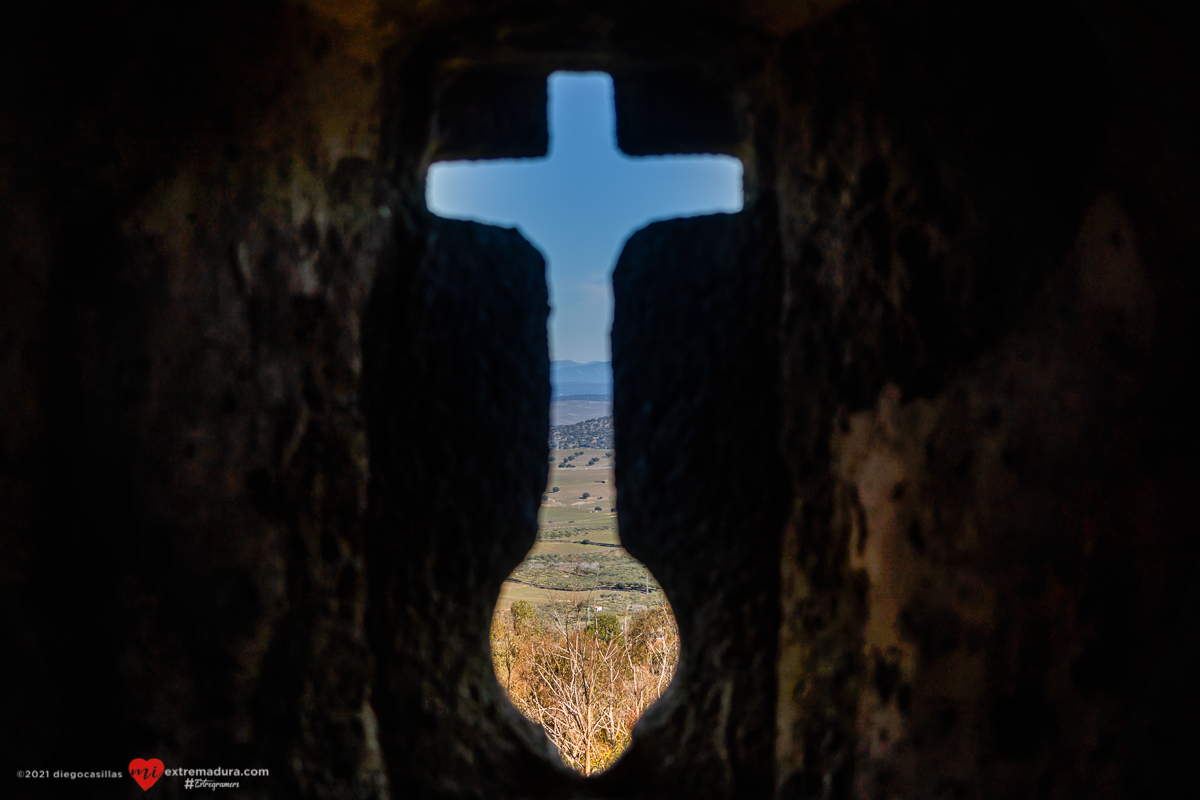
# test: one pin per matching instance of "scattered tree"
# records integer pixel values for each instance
(524, 616)
(606, 628)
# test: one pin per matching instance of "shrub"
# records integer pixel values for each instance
(606, 628)
(524, 616)
(586, 687)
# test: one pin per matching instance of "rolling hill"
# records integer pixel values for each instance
(597, 433)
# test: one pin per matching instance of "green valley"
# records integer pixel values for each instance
(577, 559)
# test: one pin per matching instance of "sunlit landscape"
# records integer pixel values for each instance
(583, 640)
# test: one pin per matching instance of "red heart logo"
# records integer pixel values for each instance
(146, 773)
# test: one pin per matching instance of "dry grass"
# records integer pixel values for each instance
(586, 687)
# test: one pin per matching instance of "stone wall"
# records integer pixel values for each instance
(905, 441)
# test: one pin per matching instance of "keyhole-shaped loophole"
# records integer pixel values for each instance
(583, 638)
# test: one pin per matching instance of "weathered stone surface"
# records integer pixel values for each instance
(695, 392)
(457, 397)
(906, 441)
(970, 328)
(188, 222)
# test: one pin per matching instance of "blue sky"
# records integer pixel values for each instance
(580, 202)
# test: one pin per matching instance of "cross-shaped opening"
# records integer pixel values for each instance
(583, 639)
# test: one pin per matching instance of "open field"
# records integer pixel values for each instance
(577, 558)
(567, 507)
(599, 644)
(568, 410)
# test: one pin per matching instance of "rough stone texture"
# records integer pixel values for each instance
(971, 327)
(188, 246)
(695, 390)
(458, 405)
(905, 441)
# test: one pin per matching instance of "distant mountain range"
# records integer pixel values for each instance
(570, 378)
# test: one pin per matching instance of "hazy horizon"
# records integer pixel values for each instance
(571, 378)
